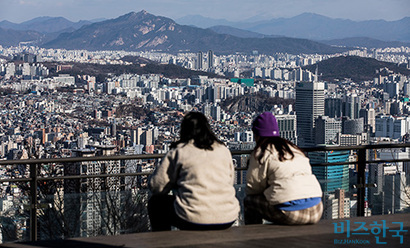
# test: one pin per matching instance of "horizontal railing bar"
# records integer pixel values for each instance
(11, 180)
(156, 156)
(367, 162)
(366, 147)
(81, 159)
(149, 173)
(95, 176)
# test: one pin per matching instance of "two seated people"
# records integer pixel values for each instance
(199, 172)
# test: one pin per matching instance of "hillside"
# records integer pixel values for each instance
(253, 103)
(356, 68)
(102, 71)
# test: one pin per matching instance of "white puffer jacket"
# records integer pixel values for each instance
(202, 181)
(281, 181)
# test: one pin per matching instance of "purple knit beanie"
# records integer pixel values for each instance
(265, 125)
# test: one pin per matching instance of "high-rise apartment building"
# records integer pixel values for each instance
(210, 60)
(82, 199)
(310, 99)
(199, 61)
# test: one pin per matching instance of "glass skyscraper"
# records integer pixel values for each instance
(333, 177)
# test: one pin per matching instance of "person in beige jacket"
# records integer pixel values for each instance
(199, 172)
(280, 186)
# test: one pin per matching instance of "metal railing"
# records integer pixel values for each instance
(34, 178)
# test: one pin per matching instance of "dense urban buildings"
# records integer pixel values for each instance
(47, 113)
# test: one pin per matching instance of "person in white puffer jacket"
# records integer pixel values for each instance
(199, 172)
(280, 186)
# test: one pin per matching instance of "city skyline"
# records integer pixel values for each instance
(75, 10)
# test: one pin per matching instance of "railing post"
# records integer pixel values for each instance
(33, 202)
(361, 181)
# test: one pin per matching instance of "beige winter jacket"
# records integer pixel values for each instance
(281, 181)
(202, 181)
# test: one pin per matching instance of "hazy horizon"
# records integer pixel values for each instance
(19, 11)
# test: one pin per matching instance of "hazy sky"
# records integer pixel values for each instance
(22, 10)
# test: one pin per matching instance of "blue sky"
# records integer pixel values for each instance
(22, 10)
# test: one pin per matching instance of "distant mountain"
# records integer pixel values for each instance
(353, 67)
(239, 32)
(202, 22)
(317, 27)
(9, 25)
(144, 31)
(44, 25)
(10, 37)
(365, 42)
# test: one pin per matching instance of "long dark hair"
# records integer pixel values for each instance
(195, 127)
(282, 145)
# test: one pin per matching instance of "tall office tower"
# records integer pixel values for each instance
(210, 60)
(310, 100)
(351, 106)
(135, 136)
(216, 112)
(394, 193)
(210, 93)
(199, 61)
(332, 177)
(333, 107)
(114, 129)
(287, 127)
(146, 138)
(108, 87)
(327, 130)
(206, 110)
(155, 134)
(392, 88)
(406, 89)
(396, 107)
(369, 119)
(375, 194)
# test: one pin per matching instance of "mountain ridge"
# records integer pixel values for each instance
(316, 27)
(44, 24)
(144, 31)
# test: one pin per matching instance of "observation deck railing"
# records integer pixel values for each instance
(35, 178)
